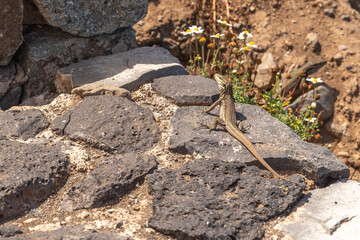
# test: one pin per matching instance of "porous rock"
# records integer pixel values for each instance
(92, 17)
(213, 199)
(29, 173)
(31, 13)
(12, 77)
(71, 232)
(47, 49)
(93, 89)
(324, 104)
(275, 142)
(11, 13)
(22, 124)
(111, 123)
(128, 70)
(187, 89)
(9, 230)
(7, 75)
(326, 214)
(111, 179)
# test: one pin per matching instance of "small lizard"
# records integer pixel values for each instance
(308, 68)
(228, 121)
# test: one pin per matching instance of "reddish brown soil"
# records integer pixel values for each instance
(279, 27)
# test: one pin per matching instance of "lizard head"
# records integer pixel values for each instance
(222, 82)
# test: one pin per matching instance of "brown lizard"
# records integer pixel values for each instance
(228, 121)
(308, 68)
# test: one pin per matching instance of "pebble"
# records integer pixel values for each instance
(343, 47)
(343, 154)
(329, 12)
(338, 57)
(345, 18)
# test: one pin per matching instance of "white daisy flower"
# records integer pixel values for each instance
(195, 29)
(224, 23)
(251, 45)
(187, 32)
(314, 80)
(218, 35)
(310, 120)
(246, 48)
(244, 34)
(241, 62)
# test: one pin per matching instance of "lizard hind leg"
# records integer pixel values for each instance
(214, 122)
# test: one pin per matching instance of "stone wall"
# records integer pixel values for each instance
(40, 36)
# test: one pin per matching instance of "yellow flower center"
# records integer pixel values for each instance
(251, 43)
(315, 80)
(196, 29)
(224, 22)
(188, 30)
(246, 48)
(217, 35)
(246, 32)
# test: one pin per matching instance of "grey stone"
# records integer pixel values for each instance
(338, 58)
(127, 70)
(275, 142)
(22, 124)
(343, 47)
(29, 173)
(31, 13)
(312, 43)
(11, 98)
(324, 104)
(46, 49)
(11, 13)
(326, 214)
(329, 12)
(94, 89)
(12, 77)
(346, 17)
(112, 179)
(213, 199)
(7, 75)
(92, 17)
(9, 230)
(39, 100)
(111, 123)
(187, 89)
(71, 232)
(265, 76)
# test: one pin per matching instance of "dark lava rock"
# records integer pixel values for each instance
(11, 13)
(213, 199)
(9, 230)
(275, 142)
(111, 179)
(75, 232)
(22, 124)
(45, 50)
(110, 123)
(92, 17)
(29, 173)
(187, 89)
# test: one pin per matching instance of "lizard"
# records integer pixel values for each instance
(227, 120)
(308, 68)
